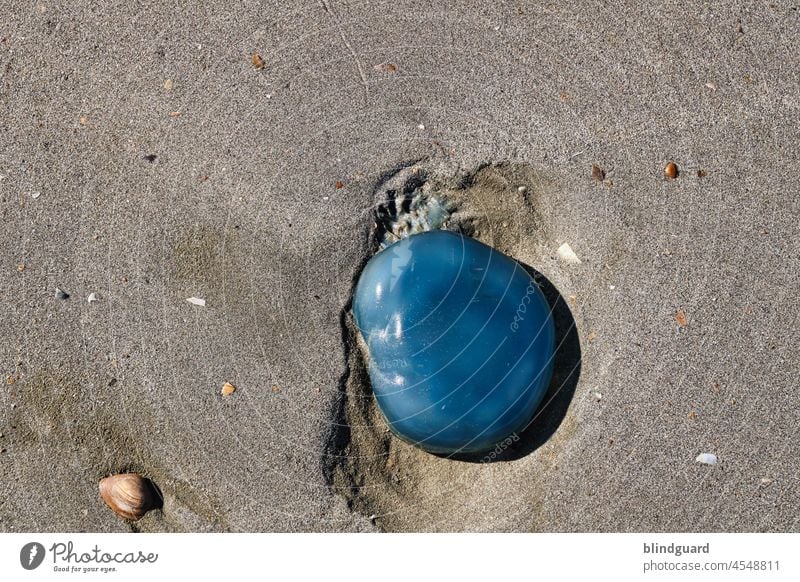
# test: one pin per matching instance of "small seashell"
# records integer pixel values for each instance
(568, 255)
(129, 495)
(257, 61)
(707, 459)
(671, 171)
(196, 301)
(93, 297)
(228, 389)
(61, 294)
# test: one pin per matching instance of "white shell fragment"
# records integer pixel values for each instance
(196, 301)
(706, 459)
(93, 297)
(567, 255)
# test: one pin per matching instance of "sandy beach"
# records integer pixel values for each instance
(236, 154)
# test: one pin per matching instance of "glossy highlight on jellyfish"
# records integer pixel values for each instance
(458, 338)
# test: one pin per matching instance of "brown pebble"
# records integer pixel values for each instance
(339, 184)
(680, 317)
(257, 61)
(692, 415)
(701, 173)
(671, 171)
(276, 389)
(228, 389)
(598, 174)
(174, 113)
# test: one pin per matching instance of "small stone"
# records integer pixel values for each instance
(257, 61)
(671, 171)
(701, 173)
(276, 389)
(597, 395)
(150, 158)
(421, 126)
(598, 174)
(711, 85)
(35, 195)
(339, 185)
(196, 301)
(592, 336)
(567, 255)
(522, 189)
(168, 84)
(61, 294)
(228, 389)
(707, 459)
(93, 297)
(21, 267)
(766, 481)
(680, 317)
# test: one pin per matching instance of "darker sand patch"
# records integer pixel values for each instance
(69, 420)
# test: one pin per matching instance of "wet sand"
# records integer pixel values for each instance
(144, 157)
